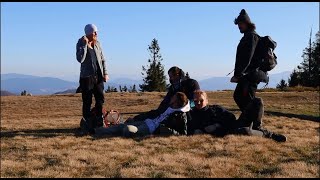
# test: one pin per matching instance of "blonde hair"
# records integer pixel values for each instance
(199, 93)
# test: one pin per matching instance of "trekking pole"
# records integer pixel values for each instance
(230, 72)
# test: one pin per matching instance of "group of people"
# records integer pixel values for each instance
(185, 110)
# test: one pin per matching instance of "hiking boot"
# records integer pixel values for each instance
(84, 126)
(266, 133)
(279, 137)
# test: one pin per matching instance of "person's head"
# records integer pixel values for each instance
(179, 100)
(175, 75)
(200, 99)
(244, 23)
(91, 32)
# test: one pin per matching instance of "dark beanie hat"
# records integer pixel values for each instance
(243, 17)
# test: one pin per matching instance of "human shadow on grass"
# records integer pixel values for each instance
(45, 133)
(288, 115)
(164, 133)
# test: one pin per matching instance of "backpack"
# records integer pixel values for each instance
(267, 57)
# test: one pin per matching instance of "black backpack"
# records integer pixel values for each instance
(267, 57)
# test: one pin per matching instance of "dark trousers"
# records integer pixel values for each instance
(92, 85)
(122, 130)
(252, 115)
(250, 120)
(244, 93)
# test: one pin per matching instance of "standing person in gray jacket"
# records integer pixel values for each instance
(93, 74)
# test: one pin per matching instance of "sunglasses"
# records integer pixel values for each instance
(197, 101)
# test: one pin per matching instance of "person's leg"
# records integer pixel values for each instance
(261, 133)
(135, 123)
(243, 94)
(252, 114)
(99, 97)
(86, 87)
(115, 130)
(255, 112)
(252, 89)
(86, 121)
(136, 129)
(237, 95)
(86, 104)
(248, 131)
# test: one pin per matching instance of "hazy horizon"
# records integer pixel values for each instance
(75, 78)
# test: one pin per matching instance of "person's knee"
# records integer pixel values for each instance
(198, 131)
(244, 131)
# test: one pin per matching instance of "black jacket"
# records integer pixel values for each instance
(187, 86)
(209, 115)
(177, 122)
(247, 58)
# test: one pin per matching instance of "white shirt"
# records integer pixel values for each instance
(153, 124)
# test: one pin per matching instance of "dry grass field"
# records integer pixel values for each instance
(38, 139)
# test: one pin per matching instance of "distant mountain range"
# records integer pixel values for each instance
(7, 93)
(16, 83)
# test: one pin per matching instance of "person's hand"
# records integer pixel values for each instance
(85, 39)
(106, 78)
(234, 79)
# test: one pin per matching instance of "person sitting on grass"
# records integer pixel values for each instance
(178, 102)
(216, 120)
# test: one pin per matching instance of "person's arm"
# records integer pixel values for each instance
(82, 49)
(177, 123)
(247, 51)
(194, 122)
(103, 58)
(189, 86)
(226, 118)
(165, 102)
(195, 85)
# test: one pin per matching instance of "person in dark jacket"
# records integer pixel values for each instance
(246, 72)
(179, 83)
(218, 121)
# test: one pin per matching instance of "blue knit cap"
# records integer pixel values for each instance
(90, 28)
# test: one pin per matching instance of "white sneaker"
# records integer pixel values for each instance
(132, 129)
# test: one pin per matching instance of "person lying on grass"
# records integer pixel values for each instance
(179, 102)
(216, 120)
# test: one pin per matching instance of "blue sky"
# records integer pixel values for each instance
(40, 38)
